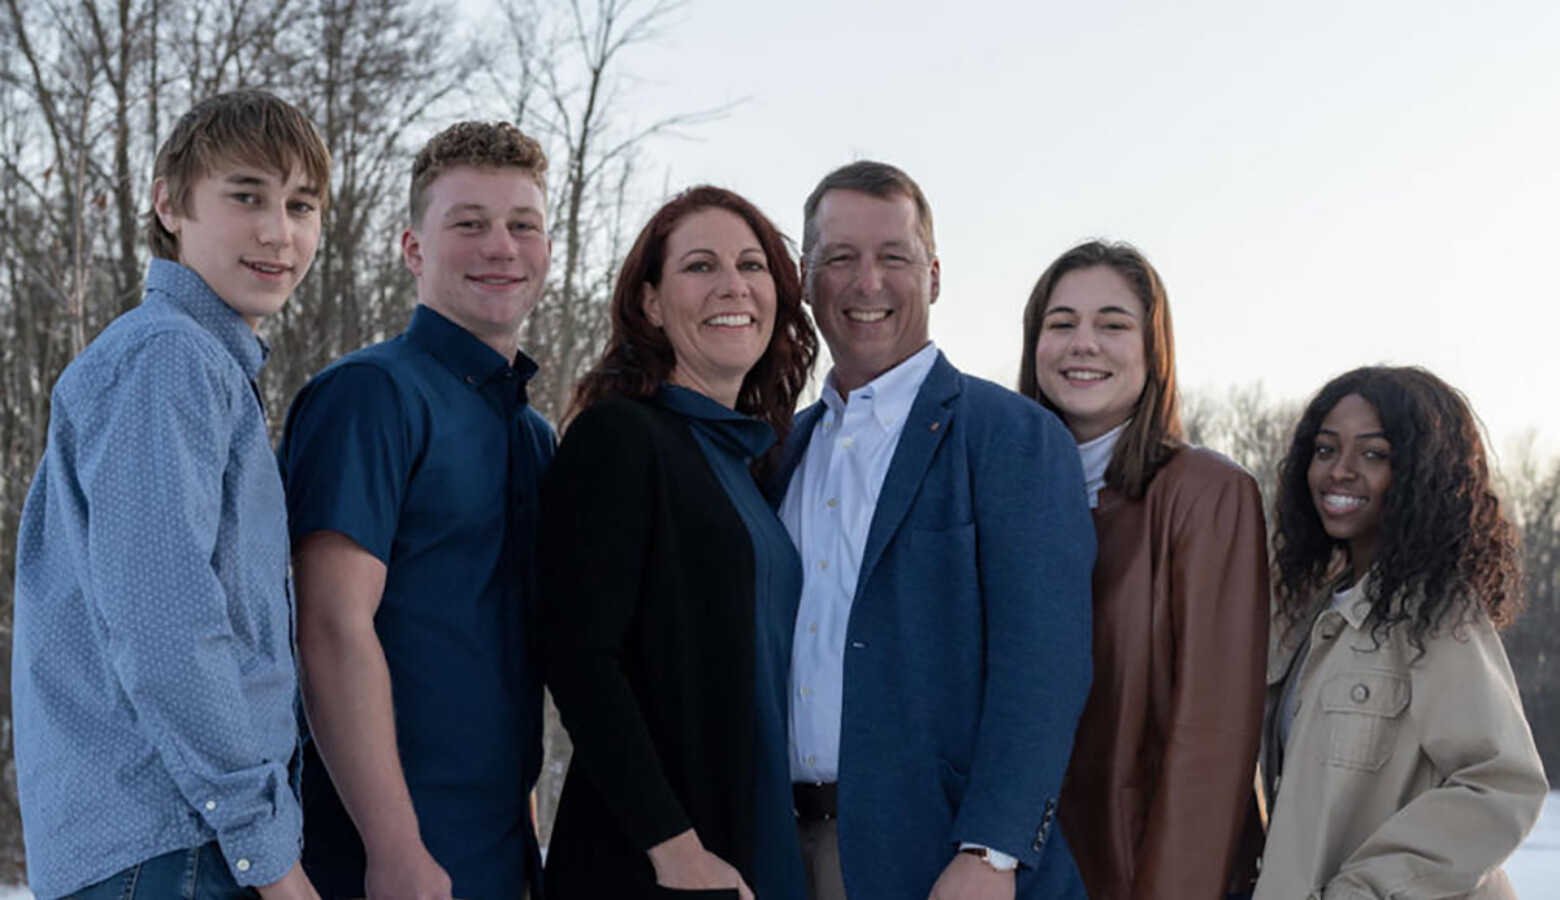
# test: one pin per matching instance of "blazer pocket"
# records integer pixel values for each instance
(1363, 709)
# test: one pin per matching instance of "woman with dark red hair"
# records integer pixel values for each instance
(669, 588)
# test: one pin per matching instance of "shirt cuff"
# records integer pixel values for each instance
(998, 860)
(263, 851)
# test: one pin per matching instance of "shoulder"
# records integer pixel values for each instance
(143, 346)
(1199, 469)
(614, 419)
(1004, 422)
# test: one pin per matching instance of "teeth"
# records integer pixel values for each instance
(1079, 375)
(866, 315)
(1342, 502)
(730, 319)
(268, 269)
(495, 279)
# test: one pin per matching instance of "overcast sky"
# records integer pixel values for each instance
(1322, 185)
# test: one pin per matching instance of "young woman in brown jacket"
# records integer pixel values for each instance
(1161, 780)
(1396, 744)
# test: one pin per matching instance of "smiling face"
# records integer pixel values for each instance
(1350, 472)
(715, 302)
(871, 283)
(481, 252)
(1089, 356)
(248, 233)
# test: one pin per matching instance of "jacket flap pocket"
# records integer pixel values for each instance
(1367, 692)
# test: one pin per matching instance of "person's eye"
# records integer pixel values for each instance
(302, 208)
(524, 226)
(753, 265)
(1117, 326)
(699, 266)
(839, 259)
(895, 260)
(1376, 454)
(468, 225)
(1058, 325)
(1322, 451)
(246, 198)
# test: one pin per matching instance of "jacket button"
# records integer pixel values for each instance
(1361, 693)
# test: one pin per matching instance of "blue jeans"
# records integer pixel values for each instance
(199, 873)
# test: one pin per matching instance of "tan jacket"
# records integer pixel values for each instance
(1402, 778)
(1164, 760)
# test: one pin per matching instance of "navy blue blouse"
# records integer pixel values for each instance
(730, 442)
(424, 451)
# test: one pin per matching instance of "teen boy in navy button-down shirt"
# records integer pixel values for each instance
(411, 471)
(153, 678)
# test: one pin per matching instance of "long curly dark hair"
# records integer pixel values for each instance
(1445, 546)
(638, 357)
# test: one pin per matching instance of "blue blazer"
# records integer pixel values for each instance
(967, 652)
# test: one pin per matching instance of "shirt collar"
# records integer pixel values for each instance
(460, 351)
(1353, 604)
(1095, 455)
(187, 291)
(889, 395)
(748, 436)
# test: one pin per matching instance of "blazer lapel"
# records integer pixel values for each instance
(802, 428)
(924, 430)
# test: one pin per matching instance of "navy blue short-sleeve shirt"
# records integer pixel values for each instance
(424, 451)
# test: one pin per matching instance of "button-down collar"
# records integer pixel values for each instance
(181, 287)
(891, 394)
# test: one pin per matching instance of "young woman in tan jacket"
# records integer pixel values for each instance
(1163, 765)
(1395, 741)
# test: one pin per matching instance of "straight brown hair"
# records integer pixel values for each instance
(1155, 432)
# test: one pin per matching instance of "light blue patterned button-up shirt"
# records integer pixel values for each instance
(153, 676)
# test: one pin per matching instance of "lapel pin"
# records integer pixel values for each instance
(936, 425)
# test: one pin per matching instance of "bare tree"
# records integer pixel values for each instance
(1245, 425)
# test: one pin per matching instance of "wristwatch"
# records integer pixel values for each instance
(993, 858)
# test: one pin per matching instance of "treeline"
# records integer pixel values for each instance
(88, 89)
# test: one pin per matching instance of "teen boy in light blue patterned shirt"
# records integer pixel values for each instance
(153, 675)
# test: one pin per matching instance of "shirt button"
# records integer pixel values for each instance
(806, 691)
(848, 443)
(812, 627)
(831, 502)
(211, 805)
(1361, 693)
(242, 865)
(811, 760)
(888, 420)
(823, 564)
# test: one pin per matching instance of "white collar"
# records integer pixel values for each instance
(890, 395)
(1095, 455)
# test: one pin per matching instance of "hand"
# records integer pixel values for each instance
(969, 877)
(410, 874)
(682, 863)
(293, 886)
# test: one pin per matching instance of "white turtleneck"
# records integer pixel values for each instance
(1096, 455)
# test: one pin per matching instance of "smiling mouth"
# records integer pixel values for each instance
(731, 320)
(1342, 503)
(495, 280)
(1084, 375)
(867, 316)
(267, 268)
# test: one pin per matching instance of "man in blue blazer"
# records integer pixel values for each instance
(941, 657)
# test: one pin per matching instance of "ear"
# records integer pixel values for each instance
(936, 275)
(411, 252)
(162, 205)
(651, 303)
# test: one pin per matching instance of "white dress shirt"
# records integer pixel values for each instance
(828, 510)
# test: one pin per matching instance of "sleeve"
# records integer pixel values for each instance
(597, 509)
(1219, 605)
(346, 455)
(1489, 783)
(153, 480)
(1035, 554)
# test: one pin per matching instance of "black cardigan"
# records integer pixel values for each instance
(647, 613)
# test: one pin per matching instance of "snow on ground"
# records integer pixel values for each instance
(1534, 869)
